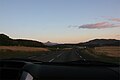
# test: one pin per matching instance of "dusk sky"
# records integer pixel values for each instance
(62, 21)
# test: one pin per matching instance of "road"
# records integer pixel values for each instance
(63, 56)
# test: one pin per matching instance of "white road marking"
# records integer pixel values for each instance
(59, 55)
(80, 56)
(77, 53)
(55, 57)
(32, 57)
(51, 60)
(84, 59)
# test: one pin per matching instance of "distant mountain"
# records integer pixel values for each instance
(93, 43)
(50, 43)
(101, 42)
(7, 41)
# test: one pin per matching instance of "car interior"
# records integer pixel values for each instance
(16, 69)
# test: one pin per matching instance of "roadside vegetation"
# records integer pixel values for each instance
(111, 51)
(22, 48)
(25, 52)
(21, 52)
(105, 53)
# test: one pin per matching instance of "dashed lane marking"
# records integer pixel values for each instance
(80, 56)
(51, 60)
(84, 59)
(32, 57)
(59, 55)
(55, 57)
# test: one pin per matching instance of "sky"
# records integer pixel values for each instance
(61, 21)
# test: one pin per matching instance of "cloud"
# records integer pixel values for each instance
(109, 23)
(115, 19)
(99, 25)
(117, 35)
(112, 19)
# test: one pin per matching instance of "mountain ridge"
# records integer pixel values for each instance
(101, 42)
(7, 41)
(48, 43)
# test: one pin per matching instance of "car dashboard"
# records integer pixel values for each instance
(34, 70)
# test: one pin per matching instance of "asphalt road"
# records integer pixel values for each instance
(63, 56)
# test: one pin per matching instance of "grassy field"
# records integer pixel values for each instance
(22, 48)
(20, 52)
(24, 52)
(111, 51)
(106, 53)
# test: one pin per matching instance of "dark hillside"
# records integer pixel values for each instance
(7, 41)
(30, 43)
(101, 42)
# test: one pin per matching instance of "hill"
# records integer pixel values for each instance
(93, 43)
(101, 42)
(7, 41)
(50, 43)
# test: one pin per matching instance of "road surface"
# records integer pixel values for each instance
(63, 56)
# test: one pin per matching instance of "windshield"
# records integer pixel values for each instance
(60, 30)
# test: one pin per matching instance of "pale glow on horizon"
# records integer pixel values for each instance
(72, 39)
